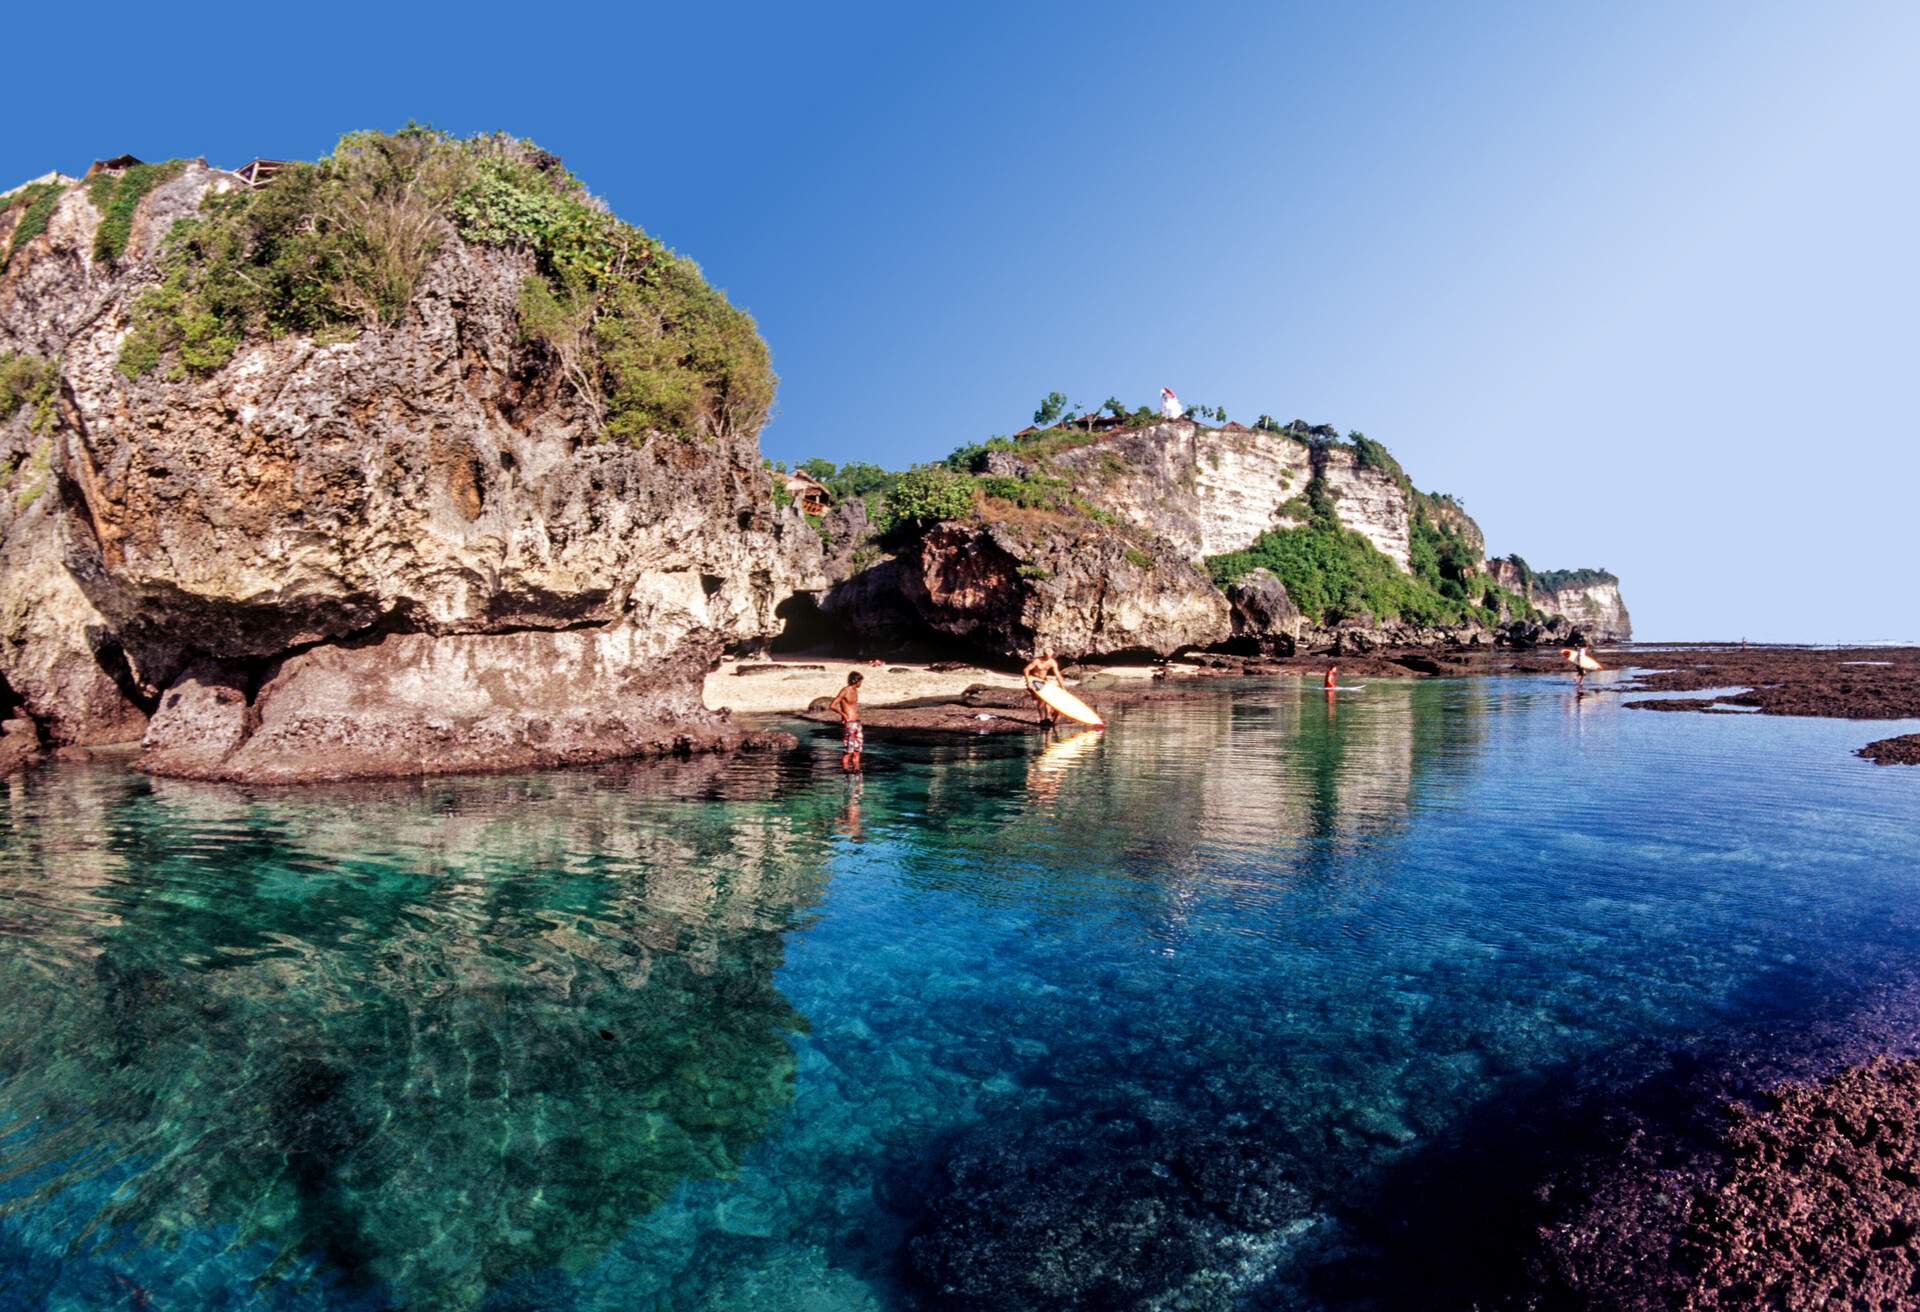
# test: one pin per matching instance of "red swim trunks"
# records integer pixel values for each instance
(852, 737)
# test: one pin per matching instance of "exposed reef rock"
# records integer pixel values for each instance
(1904, 750)
(405, 547)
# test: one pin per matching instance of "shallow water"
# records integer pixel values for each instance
(748, 1034)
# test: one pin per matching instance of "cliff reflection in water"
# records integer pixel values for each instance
(431, 1037)
(1276, 786)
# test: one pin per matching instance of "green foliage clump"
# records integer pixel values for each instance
(326, 249)
(28, 382)
(1333, 573)
(1033, 490)
(339, 246)
(117, 196)
(1053, 408)
(1552, 580)
(1138, 558)
(1369, 454)
(37, 204)
(924, 496)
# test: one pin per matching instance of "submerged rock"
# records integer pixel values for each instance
(1106, 1209)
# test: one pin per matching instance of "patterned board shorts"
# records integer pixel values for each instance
(852, 737)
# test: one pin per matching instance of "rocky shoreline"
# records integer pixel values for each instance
(1851, 683)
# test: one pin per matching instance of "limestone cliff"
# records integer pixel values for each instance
(1099, 540)
(408, 543)
(1208, 491)
(1588, 599)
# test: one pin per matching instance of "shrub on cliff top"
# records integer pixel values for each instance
(341, 245)
(1552, 580)
(925, 496)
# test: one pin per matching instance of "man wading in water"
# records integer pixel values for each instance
(1040, 670)
(853, 739)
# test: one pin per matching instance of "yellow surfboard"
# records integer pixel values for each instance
(1068, 705)
(1580, 658)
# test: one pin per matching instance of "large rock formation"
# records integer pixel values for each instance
(1588, 599)
(1080, 588)
(1208, 491)
(407, 550)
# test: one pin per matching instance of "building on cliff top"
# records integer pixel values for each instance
(118, 164)
(809, 493)
(257, 173)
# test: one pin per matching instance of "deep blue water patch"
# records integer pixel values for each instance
(1164, 1016)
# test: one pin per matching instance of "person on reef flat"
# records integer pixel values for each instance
(846, 705)
(1040, 670)
(1328, 682)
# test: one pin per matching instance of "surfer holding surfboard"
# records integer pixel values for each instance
(1043, 680)
(1581, 663)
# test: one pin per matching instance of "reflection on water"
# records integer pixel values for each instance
(742, 1033)
(428, 1037)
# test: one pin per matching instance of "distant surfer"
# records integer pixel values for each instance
(1328, 682)
(1582, 662)
(1040, 671)
(846, 705)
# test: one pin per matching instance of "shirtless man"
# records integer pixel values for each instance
(1042, 669)
(853, 739)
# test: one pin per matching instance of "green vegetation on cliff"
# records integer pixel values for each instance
(35, 204)
(117, 196)
(336, 247)
(28, 382)
(1552, 580)
(1332, 573)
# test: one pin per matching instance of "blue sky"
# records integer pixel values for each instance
(1636, 281)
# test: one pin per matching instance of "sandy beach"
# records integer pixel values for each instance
(787, 686)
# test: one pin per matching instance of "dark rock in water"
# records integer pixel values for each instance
(1109, 1209)
(1811, 1199)
(1904, 750)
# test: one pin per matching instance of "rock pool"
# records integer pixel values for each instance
(1152, 1018)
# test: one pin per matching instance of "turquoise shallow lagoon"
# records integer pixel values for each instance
(1148, 1018)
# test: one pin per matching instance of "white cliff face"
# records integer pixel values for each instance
(1595, 607)
(1205, 490)
(1214, 490)
(1370, 502)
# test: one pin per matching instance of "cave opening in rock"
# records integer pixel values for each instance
(111, 657)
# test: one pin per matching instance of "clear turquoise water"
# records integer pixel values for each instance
(740, 1034)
